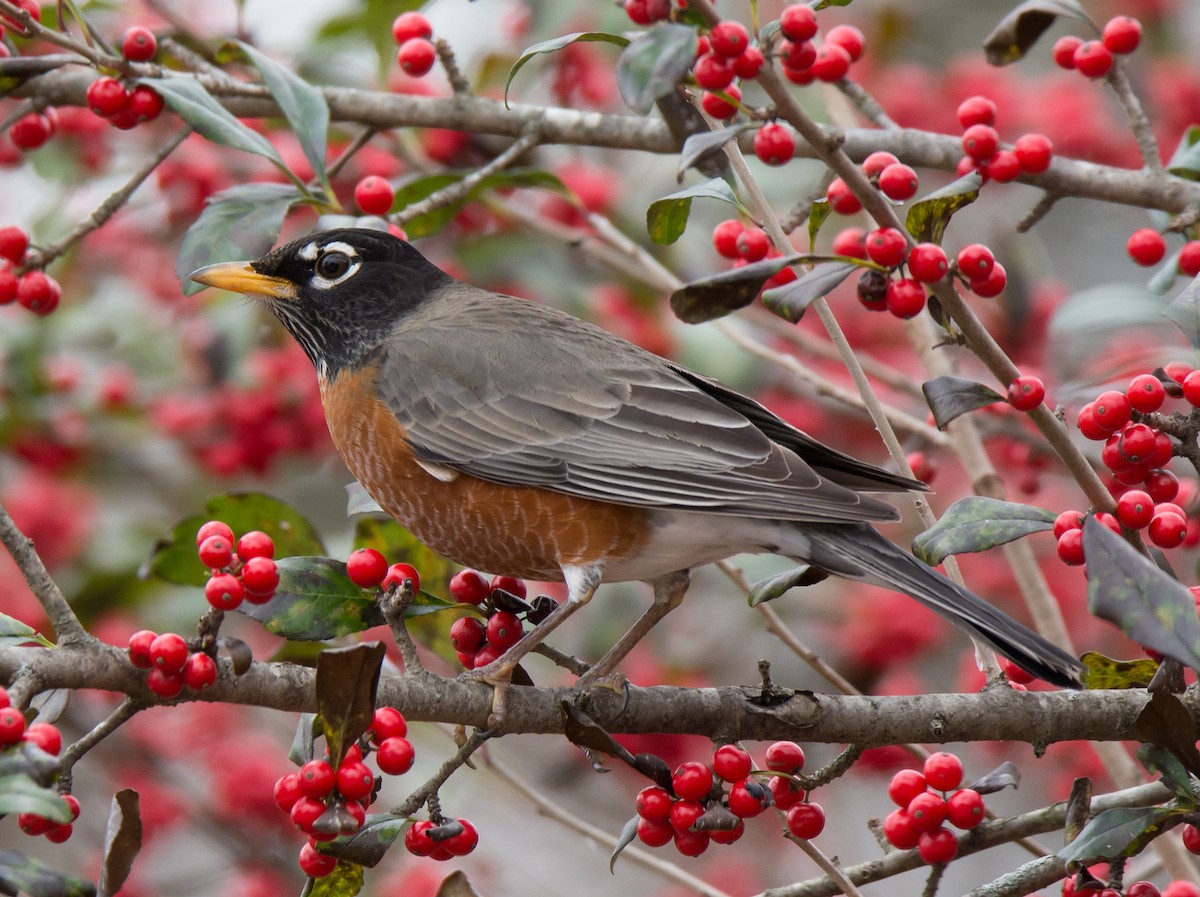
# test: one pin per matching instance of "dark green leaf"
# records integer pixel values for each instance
(1174, 774)
(367, 846)
(14, 633)
(684, 120)
(927, 217)
(347, 679)
(315, 600)
(304, 746)
(791, 300)
(424, 186)
(302, 104)
(580, 729)
(240, 223)
(654, 63)
(1128, 589)
(21, 794)
(176, 561)
(628, 834)
(1165, 722)
(655, 769)
(122, 841)
(345, 880)
(1006, 775)
(823, 4)
(713, 297)
(667, 218)
(24, 874)
(700, 145)
(1121, 832)
(976, 523)
(1105, 672)
(1184, 312)
(817, 213)
(948, 397)
(1185, 161)
(554, 45)
(778, 585)
(1020, 29)
(200, 109)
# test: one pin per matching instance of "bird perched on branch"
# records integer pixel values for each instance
(515, 438)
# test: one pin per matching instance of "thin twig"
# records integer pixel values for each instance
(458, 82)
(866, 104)
(1143, 131)
(67, 628)
(393, 604)
(1038, 212)
(430, 788)
(828, 866)
(106, 727)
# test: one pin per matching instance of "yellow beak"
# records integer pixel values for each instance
(239, 277)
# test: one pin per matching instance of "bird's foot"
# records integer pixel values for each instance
(498, 675)
(596, 678)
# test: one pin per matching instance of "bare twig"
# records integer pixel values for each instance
(1143, 131)
(67, 628)
(124, 712)
(429, 789)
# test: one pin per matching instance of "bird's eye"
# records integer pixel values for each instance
(332, 265)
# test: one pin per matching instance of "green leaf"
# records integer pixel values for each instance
(667, 218)
(1121, 832)
(122, 840)
(240, 223)
(817, 213)
(713, 297)
(347, 679)
(791, 300)
(654, 63)
(824, 4)
(628, 834)
(927, 217)
(367, 846)
(302, 104)
(176, 562)
(778, 585)
(1128, 589)
(976, 523)
(1185, 161)
(209, 118)
(554, 45)
(1166, 723)
(315, 600)
(14, 633)
(949, 397)
(424, 186)
(27, 759)
(23, 874)
(1174, 774)
(703, 143)
(1006, 775)
(1020, 29)
(21, 794)
(346, 880)
(1184, 312)
(1106, 672)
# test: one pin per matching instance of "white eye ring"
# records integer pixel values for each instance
(336, 263)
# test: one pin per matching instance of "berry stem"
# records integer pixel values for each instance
(394, 603)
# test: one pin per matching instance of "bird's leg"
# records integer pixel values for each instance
(581, 586)
(668, 593)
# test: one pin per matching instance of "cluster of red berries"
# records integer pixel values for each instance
(123, 107)
(647, 12)
(1147, 246)
(46, 737)
(171, 662)
(417, 53)
(892, 177)
(733, 239)
(802, 61)
(34, 290)
(502, 601)
(1094, 58)
(699, 808)
(1030, 153)
(441, 840)
(1142, 888)
(926, 801)
(325, 803)
(369, 569)
(244, 573)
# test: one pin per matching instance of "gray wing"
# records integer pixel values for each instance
(483, 385)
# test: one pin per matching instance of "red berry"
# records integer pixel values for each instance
(317, 779)
(980, 142)
(1064, 51)
(106, 97)
(841, 199)
(728, 835)
(976, 110)
(1122, 34)
(785, 756)
(1136, 443)
(654, 833)
(38, 292)
(30, 131)
(395, 756)
(200, 672)
(45, 736)
(139, 44)
(713, 72)
(653, 804)
(417, 57)
(255, 544)
(504, 629)
(993, 284)
(1003, 167)
(287, 791)
(898, 182)
(964, 809)
(58, 833)
(975, 261)
(692, 780)
(927, 811)
(905, 298)
(937, 846)
(1070, 547)
(213, 528)
(145, 104)
(943, 771)
(691, 844)
(724, 239)
(467, 634)
(260, 576)
(366, 567)
(731, 763)
(468, 587)
(509, 584)
(1142, 889)
(1167, 529)
(315, 864)
(832, 63)
(729, 38)
(748, 65)
(886, 246)
(806, 820)
(1189, 258)
(216, 552)
(417, 840)
(14, 243)
(849, 39)
(785, 792)
(747, 799)
(851, 242)
(164, 684)
(684, 814)
(411, 26)
(798, 56)
(8, 285)
(1191, 388)
(139, 649)
(485, 655)
(1026, 393)
(1146, 246)
(719, 107)
(1162, 485)
(465, 841)
(32, 824)
(224, 591)
(12, 725)
(1093, 59)
(905, 785)
(798, 22)
(900, 831)
(875, 163)
(374, 195)
(1164, 450)
(753, 244)
(1033, 152)
(774, 143)
(1146, 393)
(1135, 509)
(1112, 410)
(169, 652)
(388, 722)
(1191, 838)
(355, 780)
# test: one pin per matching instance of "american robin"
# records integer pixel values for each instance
(516, 438)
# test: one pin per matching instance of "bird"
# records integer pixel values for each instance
(516, 438)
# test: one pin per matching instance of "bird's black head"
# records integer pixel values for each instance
(339, 292)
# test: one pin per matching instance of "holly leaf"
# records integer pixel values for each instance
(667, 218)
(175, 559)
(1172, 769)
(200, 109)
(1184, 312)
(239, 223)
(315, 600)
(14, 633)
(367, 846)
(347, 679)
(1105, 672)
(346, 880)
(21, 794)
(927, 217)
(628, 834)
(1165, 722)
(1128, 589)
(1185, 161)
(791, 300)
(1006, 775)
(654, 63)
(1121, 832)
(704, 143)
(949, 397)
(302, 104)
(713, 297)
(122, 841)
(817, 213)
(554, 45)
(1020, 29)
(25, 875)
(778, 585)
(975, 524)
(304, 743)
(583, 731)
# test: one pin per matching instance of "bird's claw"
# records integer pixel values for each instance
(498, 675)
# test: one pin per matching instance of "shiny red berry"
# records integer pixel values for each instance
(504, 629)
(731, 763)
(1146, 393)
(851, 242)
(806, 820)
(164, 684)
(964, 809)
(898, 182)
(937, 846)
(45, 736)
(943, 771)
(927, 810)
(38, 292)
(14, 243)
(713, 72)
(993, 284)
(1122, 34)
(374, 195)
(388, 722)
(139, 44)
(509, 584)
(200, 672)
(169, 652)
(832, 63)
(1167, 529)
(260, 576)
(905, 785)
(255, 544)
(719, 107)
(980, 142)
(976, 110)
(366, 567)
(905, 297)
(215, 552)
(1064, 51)
(355, 780)
(1189, 258)
(317, 779)
(729, 38)
(849, 39)
(653, 803)
(1146, 246)
(1033, 152)
(106, 97)
(468, 587)
(886, 246)
(1026, 392)
(467, 634)
(774, 143)
(841, 199)
(139, 649)
(900, 830)
(315, 864)
(398, 573)
(748, 799)
(410, 26)
(692, 780)
(975, 261)
(784, 756)
(798, 22)
(1093, 59)
(753, 244)
(213, 528)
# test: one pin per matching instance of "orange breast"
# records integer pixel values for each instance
(526, 532)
